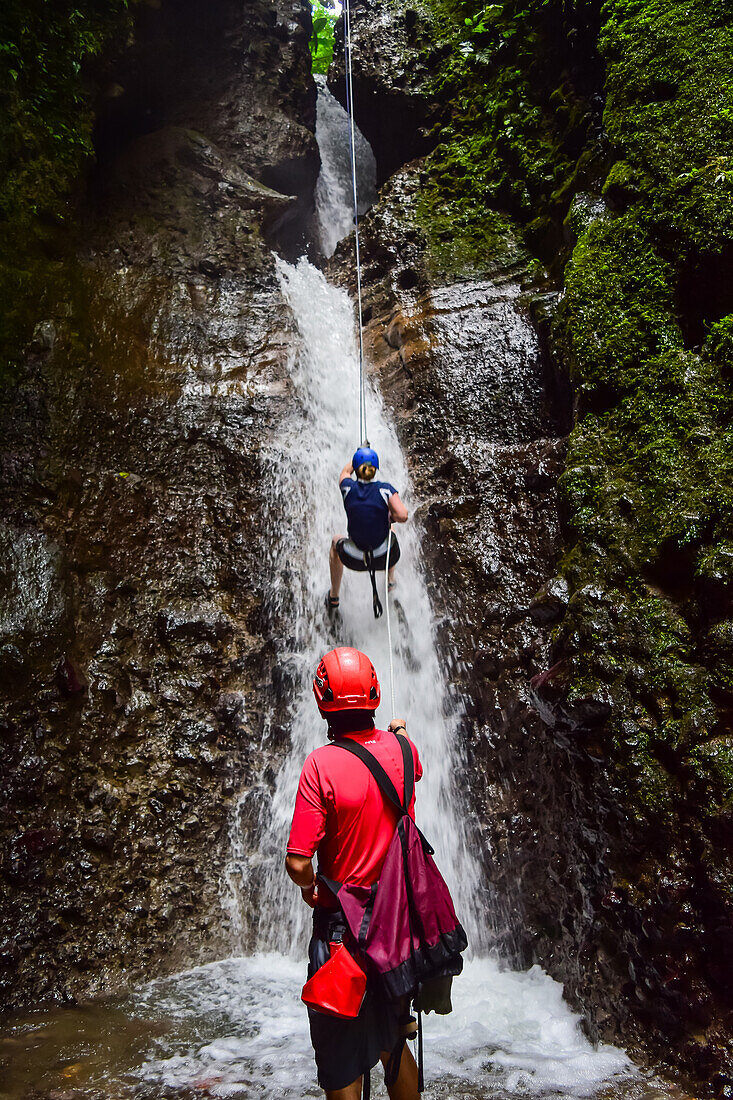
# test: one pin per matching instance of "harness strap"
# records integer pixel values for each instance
(420, 1061)
(383, 781)
(376, 602)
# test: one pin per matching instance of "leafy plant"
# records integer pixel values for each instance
(322, 38)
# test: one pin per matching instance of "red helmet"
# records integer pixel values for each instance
(346, 680)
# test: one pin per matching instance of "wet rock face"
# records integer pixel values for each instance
(393, 55)
(131, 625)
(238, 74)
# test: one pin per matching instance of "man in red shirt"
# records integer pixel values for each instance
(341, 813)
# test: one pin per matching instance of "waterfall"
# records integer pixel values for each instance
(304, 511)
(509, 1031)
(334, 202)
(322, 437)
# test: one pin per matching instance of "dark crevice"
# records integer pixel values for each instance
(704, 294)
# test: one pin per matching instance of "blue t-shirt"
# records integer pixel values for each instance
(367, 511)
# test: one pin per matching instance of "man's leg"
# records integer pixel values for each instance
(351, 1092)
(337, 572)
(405, 1087)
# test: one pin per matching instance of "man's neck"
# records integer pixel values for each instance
(343, 726)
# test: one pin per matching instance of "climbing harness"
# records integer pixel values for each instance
(352, 156)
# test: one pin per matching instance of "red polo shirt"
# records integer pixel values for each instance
(341, 812)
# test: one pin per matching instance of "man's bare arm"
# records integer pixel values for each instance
(397, 510)
(346, 472)
(300, 870)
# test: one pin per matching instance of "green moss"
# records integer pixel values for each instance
(619, 305)
(645, 330)
(515, 140)
(650, 462)
(669, 112)
(459, 243)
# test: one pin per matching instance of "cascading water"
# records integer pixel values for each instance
(236, 1028)
(334, 204)
(326, 376)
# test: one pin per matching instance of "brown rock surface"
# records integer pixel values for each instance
(132, 637)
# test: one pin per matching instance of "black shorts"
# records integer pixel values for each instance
(353, 558)
(345, 1049)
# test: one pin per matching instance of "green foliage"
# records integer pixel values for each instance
(322, 38)
(518, 134)
(45, 138)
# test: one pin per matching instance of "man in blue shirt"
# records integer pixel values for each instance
(371, 507)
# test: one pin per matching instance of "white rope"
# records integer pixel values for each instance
(352, 154)
(389, 624)
(362, 394)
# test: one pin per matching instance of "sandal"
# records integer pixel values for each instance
(332, 603)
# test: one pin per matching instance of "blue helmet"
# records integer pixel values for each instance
(365, 455)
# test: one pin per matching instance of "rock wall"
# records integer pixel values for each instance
(586, 640)
(132, 629)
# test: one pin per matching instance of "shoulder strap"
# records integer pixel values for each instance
(408, 768)
(383, 781)
(380, 776)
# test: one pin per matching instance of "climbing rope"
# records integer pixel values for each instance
(362, 391)
(352, 154)
(389, 624)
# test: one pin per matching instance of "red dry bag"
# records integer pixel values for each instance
(338, 987)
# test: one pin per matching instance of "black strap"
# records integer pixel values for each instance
(383, 781)
(408, 768)
(380, 776)
(376, 602)
(420, 1060)
(392, 1069)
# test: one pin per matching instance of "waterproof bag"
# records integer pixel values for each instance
(405, 924)
(337, 988)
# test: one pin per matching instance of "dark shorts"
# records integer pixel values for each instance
(353, 558)
(345, 1049)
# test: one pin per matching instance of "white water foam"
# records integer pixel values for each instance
(244, 1032)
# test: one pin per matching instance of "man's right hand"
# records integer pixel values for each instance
(396, 724)
(310, 894)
